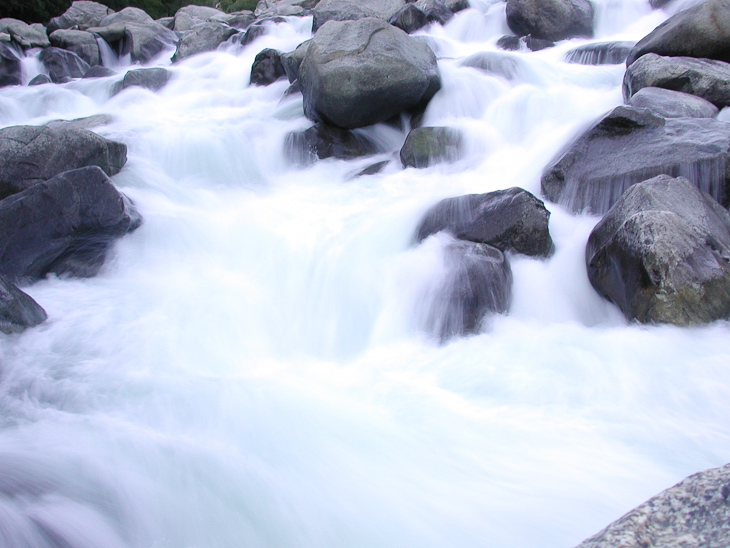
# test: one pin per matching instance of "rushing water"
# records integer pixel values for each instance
(251, 367)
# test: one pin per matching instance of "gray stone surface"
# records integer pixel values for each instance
(201, 38)
(25, 35)
(267, 67)
(351, 10)
(18, 310)
(153, 79)
(603, 53)
(63, 65)
(80, 42)
(673, 104)
(189, 16)
(81, 14)
(509, 67)
(272, 8)
(11, 73)
(322, 141)
(550, 19)
(427, 146)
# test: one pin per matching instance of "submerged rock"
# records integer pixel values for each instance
(63, 65)
(267, 67)
(11, 73)
(673, 104)
(505, 65)
(201, 38)
(426, 146)
(153, 79)
(322, 141)
(63, 226)
(550, 19)
(630, 145)
(605, 53)
(662, 254)
(18, 310)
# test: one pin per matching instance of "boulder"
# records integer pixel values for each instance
(509, 43)
(426, 146)
(153, 79)
(18, 310)
(11, 73)
(273, 8)
(478, 281)
(63, 65)
(189, 16)
(550, 19)
(167, 22)
(536, 44)
(293, 60)
(241, 20)
(201, 38)
(409, 18)
(510, 220)
(63, 226)
(673, 104)
(322, 141)
(81, 15)
(630, 145)
(25, 35)
(33, 154)
(496, 63)
(127, 15)
(662, 254)
(435, 11)
(80, 42)
(99, 72)
(455, 6)
(255, 30)
(267, 68)
(358, 73)
(604, 53)
(695, 513)
(706, 78)
(136, 34)
(351, 10)
(700, 31)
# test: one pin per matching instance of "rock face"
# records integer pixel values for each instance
(10, 70)
(358, 73)
(550, 19)
(153, 79)
(662, 254)
(693, 514)
(293, 60)
(25, 35)
(426, 146)
(409, 18)
(201, 38)
(63, 226)
(630, 145)
(80, 42)
(351, 10)
(322, 141)
(673, 104)
(267, 67)
(272, 8)
(63, 65)
(33, 154)
(18, 310)
(189, 16)
(510, 220)
(700, 31)
(705, 78)
(607, 53)
(82, 15)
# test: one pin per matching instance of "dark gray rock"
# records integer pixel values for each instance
(695, 513)
(662, 254)
(352, 10)
(201, 38)
(536, 44)
(267, 68)
(25, 35)
(39, 80)
(700, 31)
(189, 16)
(507, 66)
(273, 8)
(358, 73)
(10, 70)
(63, 65)
(509, 43)
(630, 145)
(33, 154)
(510, 220)
(80, 42)
(673, 104)
(550, 19)
(63, 226)
(706, 78)
(153, 79)
(18, 310)
(82, 15)
(426, 146)
(241, 20)
(256, 30)
(322, 141)
(293, 60)
(134, 32)
(604, 53)
(457, 5)
(99, 72)
(478, 282)
(435, 10)
(372, 169)
(409, 18)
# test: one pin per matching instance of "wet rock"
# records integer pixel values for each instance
(255, 30)
(18, 310)
(510, 220)
(427, 146)
(537, 44)
(322, 141)
(272, 8)
(692, 514)
(81, 15)
(358, 73)
(241, 20)
(550, 19)
(662, 254)
(605, 53)
(409, 18)
(32, 154)
(99, 72)
(700, 31)
(372, 169)
(435, 11)
(630, 145)
(267, 68)
(455, 6)
(201, 38)
(80, 42)
(352, 10)
(63, 65)
(153, 79)
(705, 78)
(673, 104)
(293, 60)
(63, 226)
(10, 70)
(189, 16)
(39, 80)
(86, 122)
(136, 34)
(496, 63)
(25, 35)
(509, 43)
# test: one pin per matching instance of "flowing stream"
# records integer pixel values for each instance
(251, 368)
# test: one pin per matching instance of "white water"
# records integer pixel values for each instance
(249, 369)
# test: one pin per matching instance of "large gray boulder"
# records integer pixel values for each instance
(673, 104)
(25, 35)
(427, 146)
(63, 65)
(630, 145)
(706, 78)
(695, 513)
(662, 254)
(11, 73)
(550, 19)
(63, 226)
(700, 31)
(136, 33)
(127, 15)
(510, 220)
(81, 15)
(32, 154)
(80, 42)
(351, 10)
(201, 38)
(273, 8)
(18, 310)
(189, 16)
(358, 73)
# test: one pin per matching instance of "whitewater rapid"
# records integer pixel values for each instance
(251, 367)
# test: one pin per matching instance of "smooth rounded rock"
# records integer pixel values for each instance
(550, 19)
(673, 104)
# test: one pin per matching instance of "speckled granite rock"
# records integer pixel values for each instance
(695, 513)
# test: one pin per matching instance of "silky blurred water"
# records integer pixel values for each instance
(251, 369)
